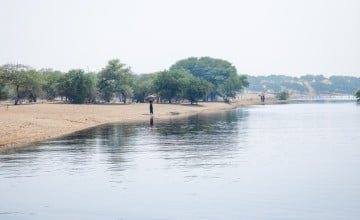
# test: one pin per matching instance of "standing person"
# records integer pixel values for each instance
(262, 98)
(151, 107)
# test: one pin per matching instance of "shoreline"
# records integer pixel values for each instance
(23, 125)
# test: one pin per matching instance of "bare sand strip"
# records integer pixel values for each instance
(25, 124)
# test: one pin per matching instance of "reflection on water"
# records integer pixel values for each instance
(266, 162)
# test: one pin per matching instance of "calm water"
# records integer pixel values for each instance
(298, 161)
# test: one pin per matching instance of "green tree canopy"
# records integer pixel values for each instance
(51, 85)
(231, 86)
(143, 86)
(78, 86)
(284, 95)
(357, 94)
(4, 90)
(169, 84)
(195, 88)
(216, 71)
(115, 78)
(25, 81)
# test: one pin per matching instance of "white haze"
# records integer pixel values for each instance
(259, 37)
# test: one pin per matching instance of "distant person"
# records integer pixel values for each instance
(262, 98)
(151, 107)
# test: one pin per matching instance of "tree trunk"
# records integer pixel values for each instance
(17, 95)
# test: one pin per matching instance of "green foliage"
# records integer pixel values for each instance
(25, 81)
(218, 72)
(32, 87)
(169, 84)
(284, 95)
(195, 88)
(115, 78)
(51, 85)
(79, 87)
(4, 91)
(178, 84)
(125, 92)
(215, 71)
(143, 87)
(357, 94)
(230, 87)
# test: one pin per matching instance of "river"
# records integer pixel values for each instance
(293, 161)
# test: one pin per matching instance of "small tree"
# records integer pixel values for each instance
(25, 81)
(284, 95)
(357, 94)
(4, 91)
(115, 78)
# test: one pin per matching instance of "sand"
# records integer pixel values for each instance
(25, 124)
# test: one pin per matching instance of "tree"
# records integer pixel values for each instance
(62, 84)
(79, 87)
(195, 89)
(215, 71)
(284, 95)
(125, 91)
(33, 84)
(143, 86)
(230, 87)
(357, 94)
(25, 80)
(115, 78)
(4, 91)
(51, 84)
(168, 84)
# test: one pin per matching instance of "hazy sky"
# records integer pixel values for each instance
(259, 37)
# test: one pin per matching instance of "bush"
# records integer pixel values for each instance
(357, 94)
(282, 95)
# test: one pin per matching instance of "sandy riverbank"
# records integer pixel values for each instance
(24, 124)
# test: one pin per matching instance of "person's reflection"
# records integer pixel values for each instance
(151, 121)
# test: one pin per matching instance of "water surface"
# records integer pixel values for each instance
(296, 161)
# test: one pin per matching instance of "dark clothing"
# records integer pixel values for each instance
(151, 108)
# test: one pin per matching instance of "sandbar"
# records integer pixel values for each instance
(29, 123)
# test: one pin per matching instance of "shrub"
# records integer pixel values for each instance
(284, 95)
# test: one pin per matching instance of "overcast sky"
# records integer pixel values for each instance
(259, 37)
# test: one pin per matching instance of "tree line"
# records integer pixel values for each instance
(305, 84)
(191, 79)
